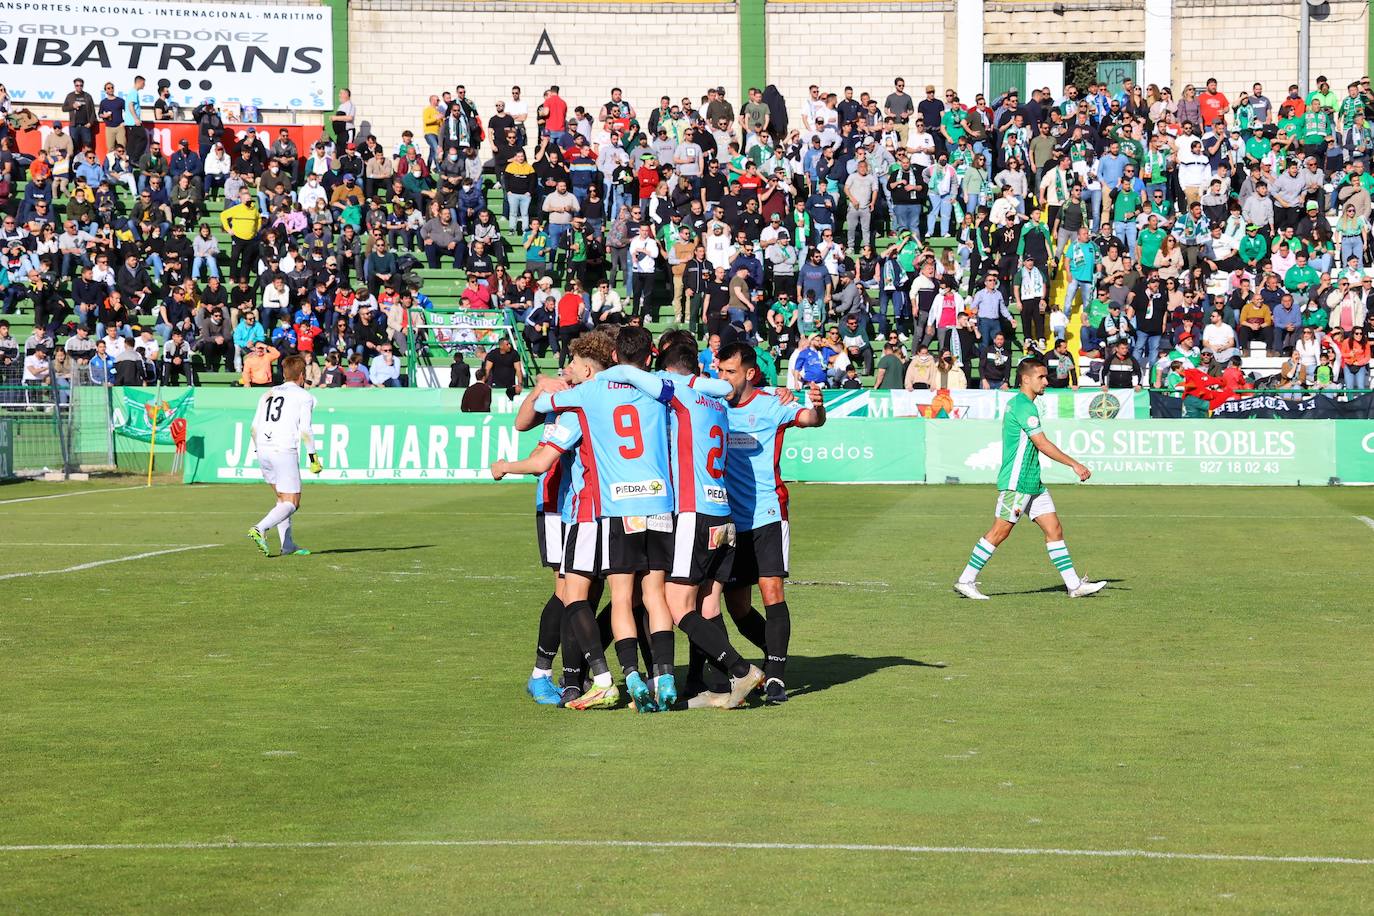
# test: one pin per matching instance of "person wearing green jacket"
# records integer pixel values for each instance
(1253, 248)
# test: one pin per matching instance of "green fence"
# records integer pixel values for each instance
(6, 449)
(419, 436)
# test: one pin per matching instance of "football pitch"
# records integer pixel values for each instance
(206, 730)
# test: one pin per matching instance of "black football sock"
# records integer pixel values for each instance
(603, 625)
(714, 644)
(574, 667)
(627, 650)
(696, 664)
(662, 643)
(583, 627)
(753, 628)
(642, 633)
(550, 628)
(779, 628)
(713, 676)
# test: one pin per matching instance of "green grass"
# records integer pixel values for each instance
(1214, 700)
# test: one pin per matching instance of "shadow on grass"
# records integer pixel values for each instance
(1055, 588)
(814, 673)
(321, 553)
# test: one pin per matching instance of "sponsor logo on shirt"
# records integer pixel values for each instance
(638, 489)
(716, 495)
(743, 442)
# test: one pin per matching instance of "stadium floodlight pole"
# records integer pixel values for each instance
(1304, 45)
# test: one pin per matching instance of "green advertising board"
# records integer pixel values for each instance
(1240, 452)
(848, 450)
(377, 437)
(421, 436)
(1355, 451)
(364, 444)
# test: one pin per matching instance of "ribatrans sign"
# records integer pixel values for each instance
(271, 57)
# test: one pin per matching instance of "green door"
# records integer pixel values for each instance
(1114, 73)
(1004, 75)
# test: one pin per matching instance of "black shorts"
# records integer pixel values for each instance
(702, 549)
(659, 541)
(548, 530)
(608, 546)
(762, 553)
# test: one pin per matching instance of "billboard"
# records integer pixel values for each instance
(271, 57)
(1245, 452)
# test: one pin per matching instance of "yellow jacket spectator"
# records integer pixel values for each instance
(243, 220)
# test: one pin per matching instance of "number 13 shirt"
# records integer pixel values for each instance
(284, 415)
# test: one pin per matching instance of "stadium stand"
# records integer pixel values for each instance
(879, 240)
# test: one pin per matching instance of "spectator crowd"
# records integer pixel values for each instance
(880, 237)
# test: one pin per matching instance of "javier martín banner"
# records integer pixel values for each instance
(270, 57)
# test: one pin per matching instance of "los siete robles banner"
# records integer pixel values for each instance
(1244, 452)
(271, 57)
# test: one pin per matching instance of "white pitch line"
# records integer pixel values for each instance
(29, 499)
(84, 544)
(701, 844)
(1366, 519)
(93, 564)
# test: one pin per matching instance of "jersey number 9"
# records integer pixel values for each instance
(626, 420)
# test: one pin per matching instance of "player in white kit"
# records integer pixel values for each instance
(280, 424)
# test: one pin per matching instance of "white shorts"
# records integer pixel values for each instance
(549, 532)
(282, 470)
(1011, 505)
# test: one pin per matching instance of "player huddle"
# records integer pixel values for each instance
(663, 488)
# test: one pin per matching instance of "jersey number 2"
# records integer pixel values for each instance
(272, 412)
(627, 427)
(714, 465)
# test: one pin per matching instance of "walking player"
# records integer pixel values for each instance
(1020, 490)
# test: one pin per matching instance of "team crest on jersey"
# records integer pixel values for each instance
(638, 489)
(716, 495)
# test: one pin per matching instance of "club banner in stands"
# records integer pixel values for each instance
(1266, 407)
(134, 409)
(263, 57)
(1145, 452)
(169, 134)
